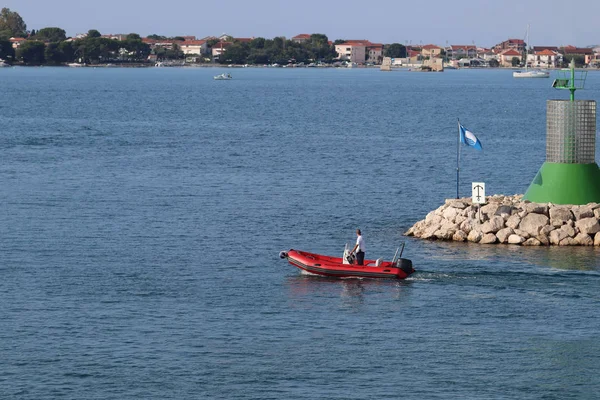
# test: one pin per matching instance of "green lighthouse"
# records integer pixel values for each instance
(570, 174)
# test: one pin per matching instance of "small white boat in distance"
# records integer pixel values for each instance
(534, 73)
(222, 77)
(75, 65)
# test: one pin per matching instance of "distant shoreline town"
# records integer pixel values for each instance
(51, 46)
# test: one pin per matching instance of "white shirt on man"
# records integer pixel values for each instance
(361, 243)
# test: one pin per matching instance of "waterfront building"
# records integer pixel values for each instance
(545, 59)
(16, 42)
(456, 51)
(198, 47)
(220, 48)
(118, 36)
(506, 57)
(586, 52)
(511, 44)
(164, 43)
(431, 51)
(352, 50)
(596, 58)
(301, 38)
(374, 53)
(359, 51)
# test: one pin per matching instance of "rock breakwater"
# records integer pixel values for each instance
(511, 220)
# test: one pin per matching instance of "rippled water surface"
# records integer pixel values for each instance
(142, 212)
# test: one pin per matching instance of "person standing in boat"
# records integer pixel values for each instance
(359, 247)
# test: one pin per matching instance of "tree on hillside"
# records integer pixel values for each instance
(174, 52)
(95, 49)
(257, 43)
(237, 53)
(11, 24)
(52, 54)
(136, 47)
(50, 35)
(133, 36)
(156, 37)
(319, 39)
(579, 60)
(212, 42)
(31, 52)
(258, 56)
(67, 51)
(6, 50)
(395, 50)
(93, 33)
(320, 49)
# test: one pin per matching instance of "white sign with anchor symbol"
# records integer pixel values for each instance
(478, 192)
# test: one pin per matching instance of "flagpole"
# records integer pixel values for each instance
(457, 157)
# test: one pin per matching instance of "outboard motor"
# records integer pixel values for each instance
(405, 265)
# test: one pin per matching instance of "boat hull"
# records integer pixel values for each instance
(334, 267)
(531, 74)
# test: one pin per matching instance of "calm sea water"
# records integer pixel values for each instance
(142, 212)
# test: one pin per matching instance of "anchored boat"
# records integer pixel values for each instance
(344, 267)
(222, 77)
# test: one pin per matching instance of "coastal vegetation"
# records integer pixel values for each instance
(51, 46)
(279, 50)
(11, 24)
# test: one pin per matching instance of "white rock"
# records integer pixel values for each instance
(515, 239)
(532, 242)
(503, 234)
(466, 226)
(546, 230)
(505, 211)
(584, 240)
(513, 221)
(443, 234)
(493, 225)
(588, 226)
(536, 208)
(474, 236)
(597, 239)
(459, 236)
(450, 213)
(430, 231)
(433, 218)
(543, 239)
(459, 219)
(489, 209)
(568, 241)
(557, 235)
(522, 233)
(457, 203)
(560, 215)
(569, 230)
(581, 212)
(488, 238)
(533, 223)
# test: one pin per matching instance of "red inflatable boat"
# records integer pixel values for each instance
(343, 267)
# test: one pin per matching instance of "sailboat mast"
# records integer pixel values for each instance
(526, 45)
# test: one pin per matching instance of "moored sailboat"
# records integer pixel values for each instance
(534, 73)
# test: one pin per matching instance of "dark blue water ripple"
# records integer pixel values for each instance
(143, 212)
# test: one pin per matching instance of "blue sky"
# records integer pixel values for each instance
(441, 22)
